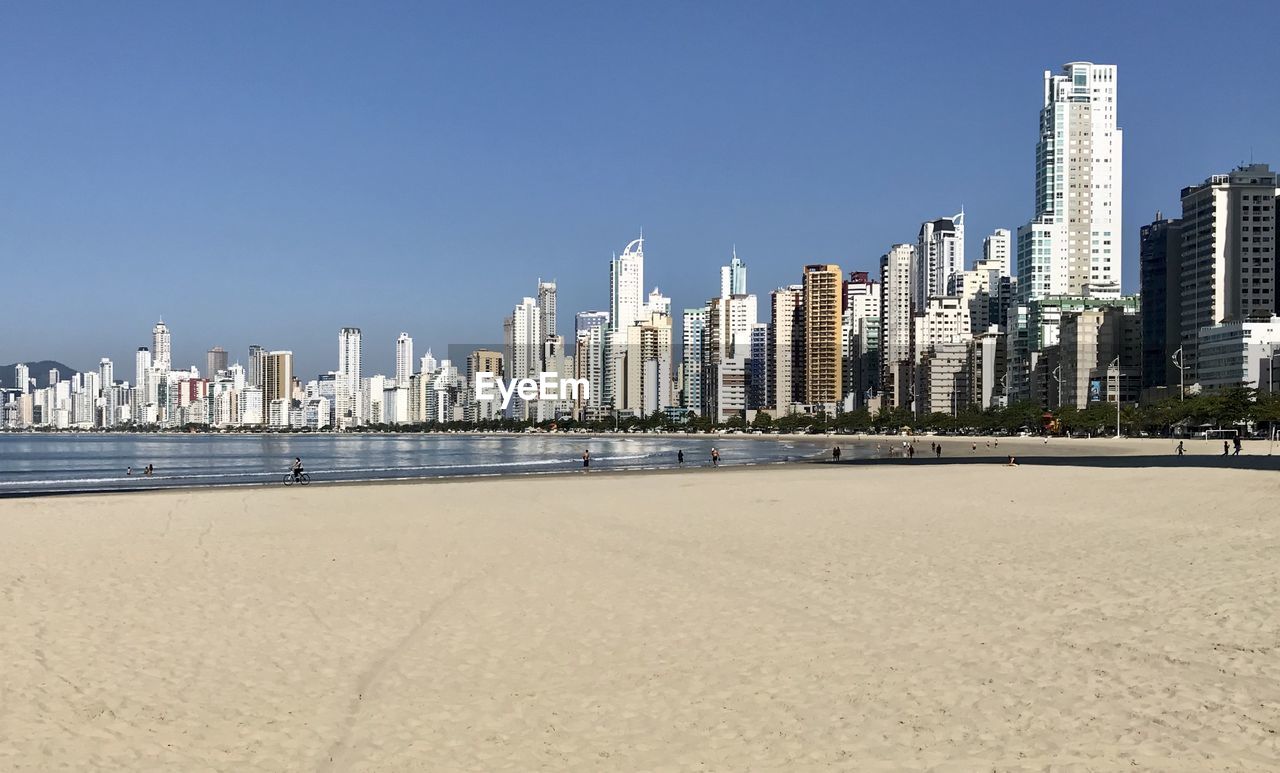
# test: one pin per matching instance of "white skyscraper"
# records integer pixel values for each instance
(160, 352)
(1072, 245)
(524, 344)
(106, 374)
(626, 286)
(347, 383)
(895, 323)
(939, 258)
(22, 378)
(404, 360)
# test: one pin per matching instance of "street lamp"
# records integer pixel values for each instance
(1057, 376)
(1182, 373)
(1116, 364)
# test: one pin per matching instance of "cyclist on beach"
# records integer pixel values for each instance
(297, 468)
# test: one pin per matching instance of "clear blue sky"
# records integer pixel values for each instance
(270, 172)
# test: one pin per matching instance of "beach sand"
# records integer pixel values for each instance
(809, 617)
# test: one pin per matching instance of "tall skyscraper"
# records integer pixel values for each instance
(1229, 256)
(1072, 246)
(823, 304)
(347, 384)
(277, 377)
(215, 361)
(547, 308)
(939, 260)
(626, 286)
(1160, 253)
(160, 352)
(786, 349)
(524, 340)
(694, 323)
(895, 324)
(404, 360)
(253, 375)
(22, 378)
(106, 375)
(733, 277)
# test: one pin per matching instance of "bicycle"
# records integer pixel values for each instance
(290, 479)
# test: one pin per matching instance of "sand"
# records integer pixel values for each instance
(810, 617)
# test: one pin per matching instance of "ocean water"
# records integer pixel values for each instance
(39, 463)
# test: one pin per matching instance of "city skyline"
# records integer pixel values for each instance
(152, 203)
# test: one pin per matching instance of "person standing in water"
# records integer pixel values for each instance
(586, 459)
(835, 453)
(680, 456)
(715, 457)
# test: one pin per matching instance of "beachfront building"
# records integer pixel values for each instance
(896, 327)
(823, 307)
(786, 349)
(348, 400)
(1239, 354)
(277, 383)
(1090, 341)
(1229, 263)
(693, 328)
(1160, 257)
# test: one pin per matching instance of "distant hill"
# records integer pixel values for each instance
(39, 371)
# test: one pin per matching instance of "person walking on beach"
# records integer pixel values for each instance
(1236, 442)
(680, 456)
(1182, 449)
(835, 453)
(715, 457)
(937, 450)
(974, 448)
(586, 459)
(911, 451)
(1226, 448)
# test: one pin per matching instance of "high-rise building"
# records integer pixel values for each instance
(1160, 253)
(161, 354)
(546, 317)
(347, 385)
(253, 374)
(786, 386)
(939, 259)
(524, 340)
(733, 277)
(404, 360)
(823, 304)
(277, 378)
(1229, 257)
(626, 286)
(997, 250)
(694, 325)
(106, 374)
(215, 361)
(22, 378)
(1072, 244)
(895, 324)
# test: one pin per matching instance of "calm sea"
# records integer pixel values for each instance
(36, 463)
